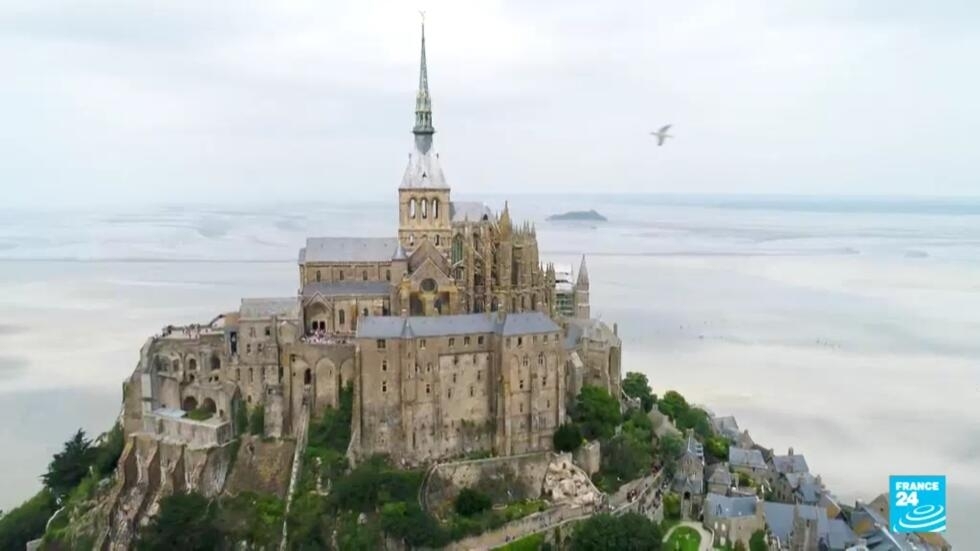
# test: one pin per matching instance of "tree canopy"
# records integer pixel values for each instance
(185, 522)
(758, 541)
(596, 412)
(636, 385)
(470, 502)
(26, 522)
(70, 466)
(568, 437)
(628, 532)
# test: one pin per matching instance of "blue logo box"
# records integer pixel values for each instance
(917, 503)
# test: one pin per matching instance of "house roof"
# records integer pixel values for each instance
(726, 426)
(347, 288)
(730, 507)
(265, 308)
(391, 327)
(720, 475)
(473, 211)
(792, 463)
(591, 329)
(349, 249)
(741, 457)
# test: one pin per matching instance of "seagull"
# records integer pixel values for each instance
(661, 135)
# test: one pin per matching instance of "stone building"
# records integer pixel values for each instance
(733, 519)
(448, 334)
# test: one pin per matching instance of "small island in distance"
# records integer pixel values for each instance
(578, 215)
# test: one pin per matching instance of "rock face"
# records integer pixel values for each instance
(566, 484)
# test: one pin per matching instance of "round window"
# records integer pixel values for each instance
(428, 285)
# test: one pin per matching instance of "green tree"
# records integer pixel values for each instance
(185, 522)
(628, 532)
(596, 412)
(672, 404)
(107, 454)
(717, 447)
(739, 546)
(696, 419)
(758, 541)
(672, 505)
(408, 522)
(669, 446)
(636, 385)
(26, 522)
(241, 417)
(70, 466)
(625, 458)
(568, 437)
(471, 502)
(257, 421)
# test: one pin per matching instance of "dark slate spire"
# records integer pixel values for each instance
(423, 106)
(583, 275)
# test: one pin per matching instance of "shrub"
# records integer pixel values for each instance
(596, 412)
(185, 522)
(26, 522)
(568, 437)
(199, 414)
(70, 466)
(758, 541)
(628, 532)
(636, 385)
(470, 502)
(672, 505)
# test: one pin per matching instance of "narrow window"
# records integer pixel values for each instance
(449, 393)
(525, 361)
(422, 344)
(341, 275)
(437, 239)
(428, 388)
(544, 381)
(251, 331)
(260, 348)
(364, 275)
(384, 365)
(522, 411)
(454, 378)
(248, 348)
(340, 316)
(318, 275)
(387, 275)
(411, 208)
(384, 386)
(522, 384)
(435, 213)
(478, 374)
(251, 375)
(471, 392)
(452, 342)
(466, 341)
(428, 367)
(520, 341)
(280, 373)
(479, 340)
(540, 359)
(268, 331)
(425, 210)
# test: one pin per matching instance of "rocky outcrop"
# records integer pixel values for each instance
(566, 484)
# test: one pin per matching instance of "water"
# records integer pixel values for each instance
(844, 328)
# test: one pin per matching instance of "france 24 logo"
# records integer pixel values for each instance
(917, 503)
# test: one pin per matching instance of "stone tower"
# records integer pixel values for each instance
(804, 535)
(582, 310)
(423, 196)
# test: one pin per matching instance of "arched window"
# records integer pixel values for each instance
(176, 364)
(340, 317)
(192, 364)
(435, 209)
(209, 406)
(425, 208)
(364, 275)
(307, 377)
(318, 275)
(215, 363)
(189, 404)
(411, 208)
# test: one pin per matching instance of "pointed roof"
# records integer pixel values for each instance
(504, 222)
(399, 253)
(423, 129)
(583, 274)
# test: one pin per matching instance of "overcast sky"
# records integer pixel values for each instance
(243, 100)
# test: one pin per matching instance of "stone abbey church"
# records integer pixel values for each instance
(453, 335)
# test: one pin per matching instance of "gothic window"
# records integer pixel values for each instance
(525, 362)
(340, 317)
(411, 208)
(422, 344)
(435, 212)
(424, 208)
(541, 359)
(192, 364)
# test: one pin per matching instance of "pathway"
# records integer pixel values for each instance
(706, 537)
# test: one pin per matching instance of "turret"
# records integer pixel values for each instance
(582, 308)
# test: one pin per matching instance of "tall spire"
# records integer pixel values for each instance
(423, 129)
(583, 275)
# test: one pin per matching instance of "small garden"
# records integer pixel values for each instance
(683, 538)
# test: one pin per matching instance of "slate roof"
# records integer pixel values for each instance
(349, 249)
(725, 426)
(424, 171)
(779, 518)
(591, 329)
(392, 327)
(473, 211)
(720, 475)
(730, 507)
(794, 463)
(347, 288)
(741, 457)
(693, 447)
(265, 308)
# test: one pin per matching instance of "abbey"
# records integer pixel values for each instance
(453, 336)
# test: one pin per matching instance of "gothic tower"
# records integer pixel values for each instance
(582, 310)
(423, 196)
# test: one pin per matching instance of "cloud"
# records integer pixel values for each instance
(252, 101)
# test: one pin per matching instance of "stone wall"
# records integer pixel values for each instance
(504, 479)
(588, 457)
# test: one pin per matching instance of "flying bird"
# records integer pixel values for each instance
(661, 135)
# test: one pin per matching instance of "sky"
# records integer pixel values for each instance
(121, 102)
